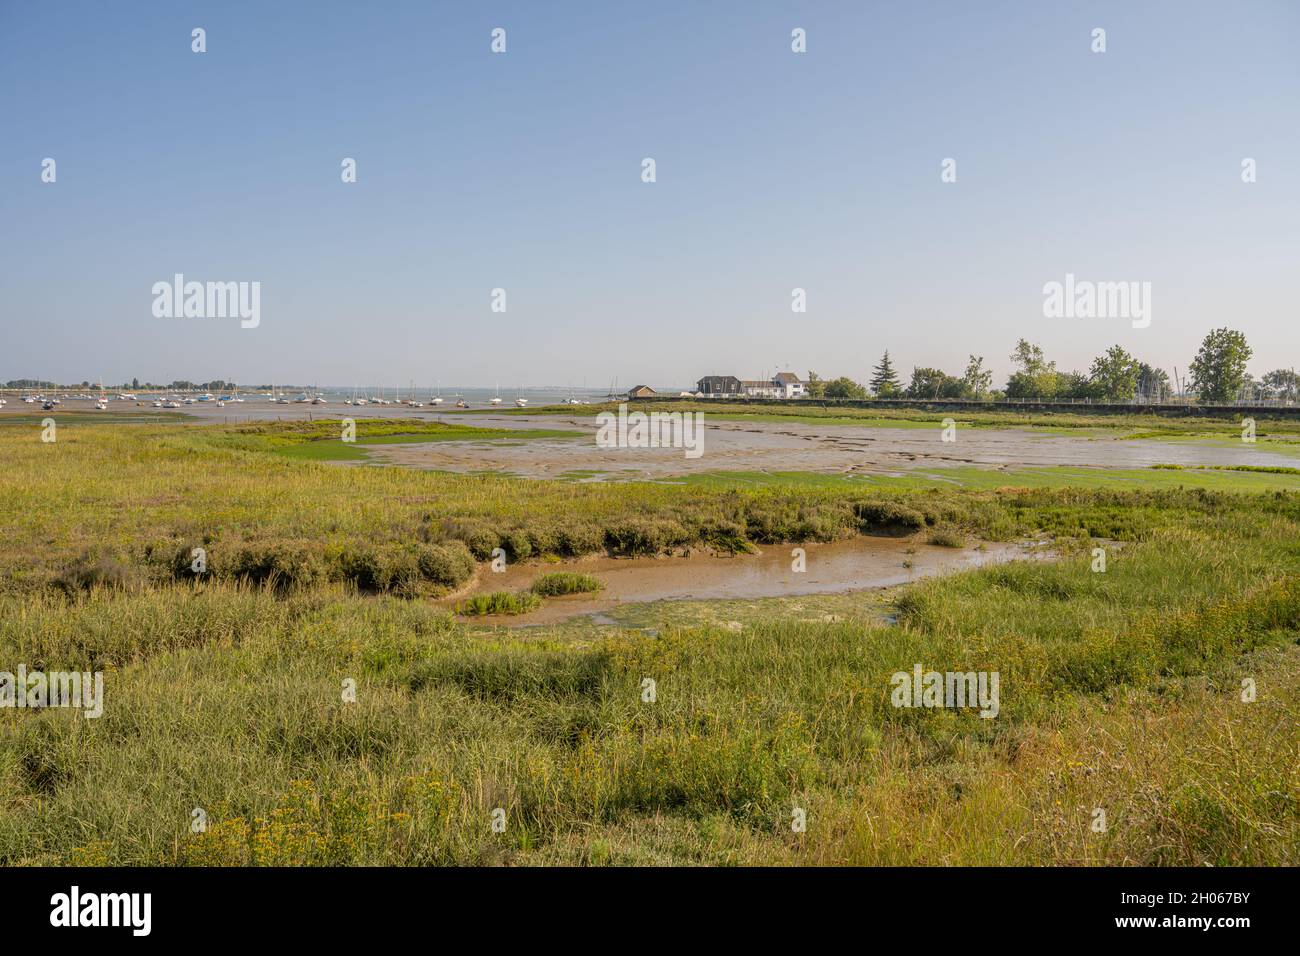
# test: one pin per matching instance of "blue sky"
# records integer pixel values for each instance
(522, 170)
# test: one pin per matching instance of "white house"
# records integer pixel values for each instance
(781, 385)
(790, 385)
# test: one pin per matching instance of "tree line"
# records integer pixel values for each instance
(1216, 375)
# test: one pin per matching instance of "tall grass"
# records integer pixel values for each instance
(500, 602)
(555, 583)
(315, 721)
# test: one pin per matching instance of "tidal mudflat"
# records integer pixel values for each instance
(852, 450)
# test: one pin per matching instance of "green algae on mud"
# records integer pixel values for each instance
(322, 449)
(1067, 421)
(1241, 478)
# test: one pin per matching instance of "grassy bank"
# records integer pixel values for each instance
(130, 506)
(331, 715)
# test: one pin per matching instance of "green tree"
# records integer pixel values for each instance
(1036, 377)
(884, 380)
(1251, 389)
(1219, 369)
(815, 387)
(1030, 357)
(933, 383)
(1282, 383)
(1073, 385)
(843, 387)
(1153, 383)
(1114, 376)
(978, 380)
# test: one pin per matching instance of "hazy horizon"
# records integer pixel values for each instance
(522, 170)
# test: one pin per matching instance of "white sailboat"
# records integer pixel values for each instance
(497, 399)
(436, 400)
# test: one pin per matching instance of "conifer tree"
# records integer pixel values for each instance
(884, 380)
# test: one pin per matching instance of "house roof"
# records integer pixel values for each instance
(711, 383)
(786, 378)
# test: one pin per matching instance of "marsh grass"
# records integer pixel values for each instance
(946, 538)
(1119, 689)
(555, 583)
(500, 602)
